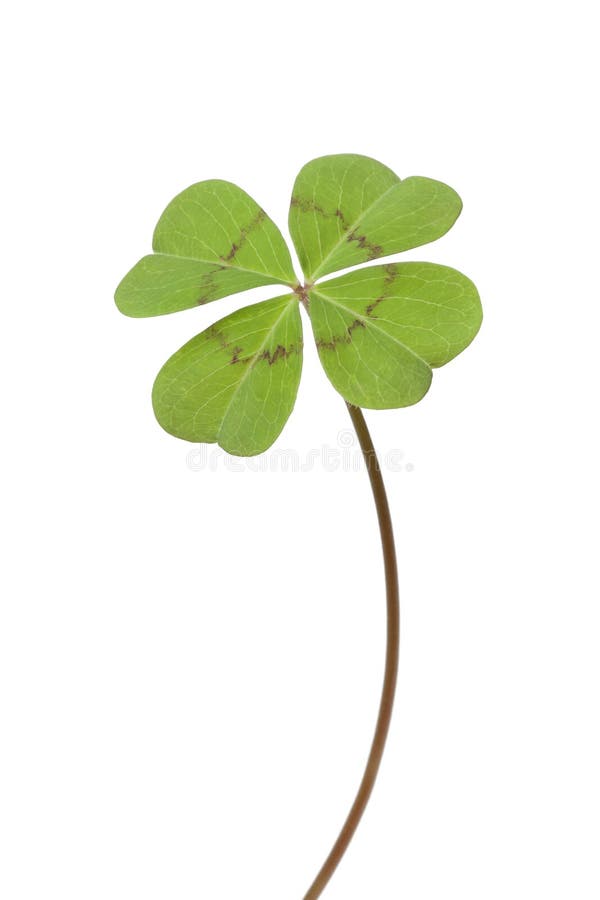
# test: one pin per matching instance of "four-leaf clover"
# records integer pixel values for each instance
(379, 330)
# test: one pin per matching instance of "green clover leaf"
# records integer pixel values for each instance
(237, 381)
(379, 330)
(211, 241)
(349, 209)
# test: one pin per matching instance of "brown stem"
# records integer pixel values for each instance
(391, 659)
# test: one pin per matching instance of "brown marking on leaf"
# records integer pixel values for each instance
(373, 250)
(234, 249)
(391, 271)
(208, 285)
(258, 218)
(216, 334)
(345, 338)
(340, 216)
(280, 352)
(372, 306)
(271, 356)
(358, 323)
(236, 356)
(305, 205)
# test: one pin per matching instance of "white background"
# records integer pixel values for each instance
(190, 660)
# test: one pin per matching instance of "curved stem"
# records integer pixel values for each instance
(391, 659)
